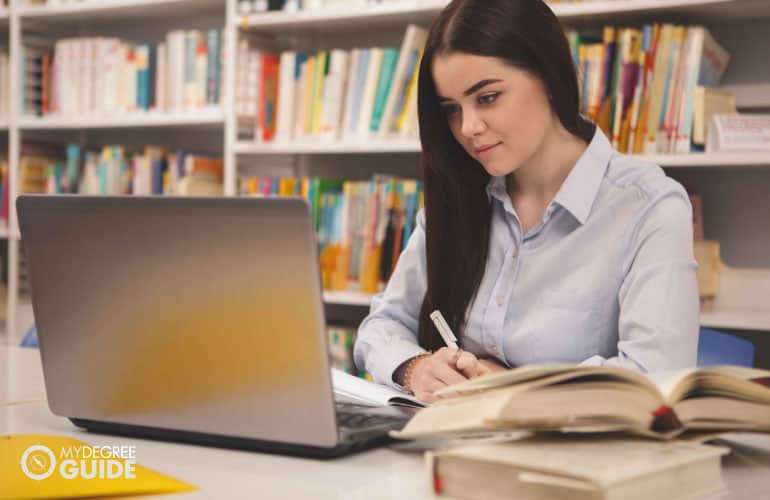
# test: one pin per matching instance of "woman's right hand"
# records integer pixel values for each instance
(444, 367)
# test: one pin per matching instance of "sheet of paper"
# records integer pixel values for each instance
(356, 389)
(40, 467)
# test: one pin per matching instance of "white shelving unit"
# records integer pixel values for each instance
(91, 10)
(578, 12)
(742, 25)
(348, 298)
(752, 92)
(138, 19)
(205, 118)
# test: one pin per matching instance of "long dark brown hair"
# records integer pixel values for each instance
(525, 34)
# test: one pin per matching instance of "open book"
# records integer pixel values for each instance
(352, 389)
(586, 468)
(574, 398)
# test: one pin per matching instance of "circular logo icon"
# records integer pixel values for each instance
(38, 462)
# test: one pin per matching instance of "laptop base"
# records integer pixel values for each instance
(221, 441)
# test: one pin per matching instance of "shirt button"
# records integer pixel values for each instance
(500, 300)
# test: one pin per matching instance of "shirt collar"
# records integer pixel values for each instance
(579, 190)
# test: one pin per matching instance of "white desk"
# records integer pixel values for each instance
(221, 473)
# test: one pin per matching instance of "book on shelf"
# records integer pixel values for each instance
(573, 398)
(738, 133)
(639, 85)
(4, 193)
(587, 468)
(329, 95)
(105, 76)
(5, 90)
(709, 101)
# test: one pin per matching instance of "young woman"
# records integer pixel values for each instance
(538, 242)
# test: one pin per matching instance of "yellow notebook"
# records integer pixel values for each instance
(41, 466)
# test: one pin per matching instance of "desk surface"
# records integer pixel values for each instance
(221, 473)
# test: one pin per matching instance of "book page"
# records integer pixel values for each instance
(368, 393)
(667, 381)
(508, 377)
(531, 376)
(750, 383)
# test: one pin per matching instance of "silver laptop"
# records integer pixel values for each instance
(193, 319)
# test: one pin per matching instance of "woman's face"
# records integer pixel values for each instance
(500, 114)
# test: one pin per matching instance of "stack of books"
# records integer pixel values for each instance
(590, 432)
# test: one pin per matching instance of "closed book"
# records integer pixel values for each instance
(370, 90)
(707, 102)
(214, 66)
(358, 91)
(389, 59)
(142, 58)
(268, 96)
(190, 59)
(738, 132)
(578, 468)
(695, 39)
(199, 185)
(414, 40)
(202, 164)
(286, 82)
(333, 94)
(569, 398)
(658, 88)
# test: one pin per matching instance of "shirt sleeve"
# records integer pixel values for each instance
(388, 335)
(658, 323)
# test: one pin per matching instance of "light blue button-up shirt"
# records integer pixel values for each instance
(607, 276)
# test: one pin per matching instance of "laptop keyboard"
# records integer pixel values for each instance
(363, 420)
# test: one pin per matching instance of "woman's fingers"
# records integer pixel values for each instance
(468, 364)
(447, 374)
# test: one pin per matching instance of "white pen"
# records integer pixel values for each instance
(443, 329)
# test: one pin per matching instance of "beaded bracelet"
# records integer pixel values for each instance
(410, 369)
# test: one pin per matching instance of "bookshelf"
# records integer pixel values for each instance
(743, 26)
(735, 23)
(137, 21)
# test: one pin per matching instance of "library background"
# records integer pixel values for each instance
(317, 98)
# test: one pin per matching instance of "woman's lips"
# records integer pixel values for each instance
(487, 150)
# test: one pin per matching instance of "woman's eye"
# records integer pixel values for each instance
(488, 98)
